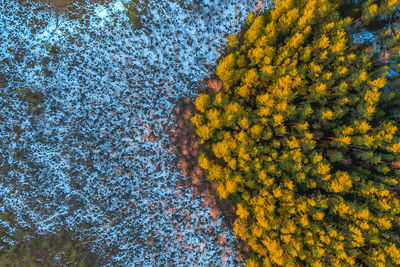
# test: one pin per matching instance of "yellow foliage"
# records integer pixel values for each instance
(363, 214)
(340, 44)
(289, 17)
(368, 141)
(357, 238)
(202, 101)
(204, 132)
(278, 119)
(293, 143)
(243, 91)
(315, 67)
(371, 97)
(242, 212)
(372, 9)
(239, 227)
(197, 120)
(344, 140)
(232, 164)
(363, 76)
(347, 130)
(256, 230)
(214, 117)
(232, 40)
(362, 127)
(304, 221)
(324, 55)
(255, 29)
(233, 108)
(393, 252)
(320, 88)
(221, 149)
(351, 56)
(215, 172)
(341, 182)
(256, 55)
(225, 69)
(265, 179)
(244, 123)
(251, 263)
(323, 169)
(395, 148)
(256, 130)
(370, 109)
(309, 13)
(318, 216)
(384, 223)
(327, 115)
(342, 209)
(277, 192)
(275, 251)
(267, 70)
(218, 99)
(250, 18)
(265, 99)
(329, 26)
(343, 70)
(242, 138)
(303, 127)
(393, 3)
(225, 190)
(204, 162)
(378, 83)
(251, 78)
(323, 42)
(389, 131)
(281, 6)
(264, 111)
(296, 41)
(222, 191)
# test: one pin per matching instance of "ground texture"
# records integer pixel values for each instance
(85, 105)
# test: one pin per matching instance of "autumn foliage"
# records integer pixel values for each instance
(304, 133)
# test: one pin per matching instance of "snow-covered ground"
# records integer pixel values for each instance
(87, 161)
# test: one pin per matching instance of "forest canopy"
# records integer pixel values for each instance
(304, 135)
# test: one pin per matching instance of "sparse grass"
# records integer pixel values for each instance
(33, 97)
(134, 13)
(31, 249)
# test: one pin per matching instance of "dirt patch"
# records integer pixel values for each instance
(187, 146)
(60, 6)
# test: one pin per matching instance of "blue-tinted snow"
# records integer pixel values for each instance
(88, 164)
(364, 36)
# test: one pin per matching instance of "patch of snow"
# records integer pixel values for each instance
(364, 36)
(101, 12)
